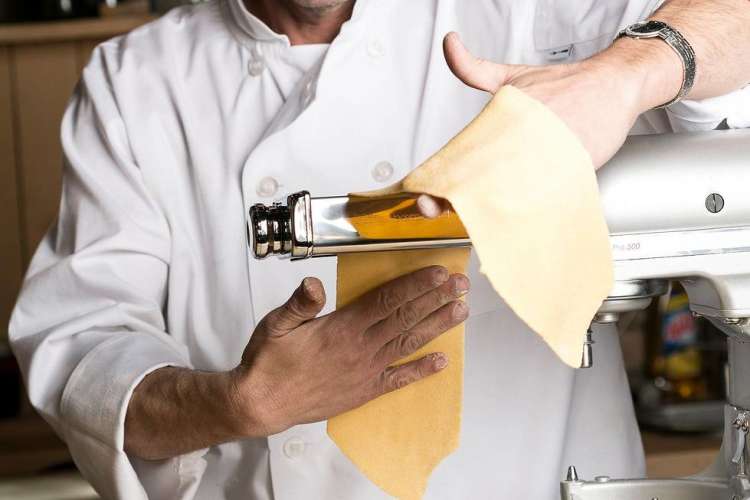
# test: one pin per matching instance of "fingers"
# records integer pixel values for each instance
(304, 304)
(397, 377)
(414, 312)
(386, 299)
(474, 72)
(430, 328)
(430, 206)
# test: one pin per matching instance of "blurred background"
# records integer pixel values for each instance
(44, 44)
(675, 362)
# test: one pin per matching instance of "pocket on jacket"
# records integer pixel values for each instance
(577, 29)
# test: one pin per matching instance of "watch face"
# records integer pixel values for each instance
(647, 28)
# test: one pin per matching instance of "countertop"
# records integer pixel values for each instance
(679, 455)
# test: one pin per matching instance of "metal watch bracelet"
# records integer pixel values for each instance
(673, 38)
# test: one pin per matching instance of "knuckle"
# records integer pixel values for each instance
(434, 275)
(269, 324)
(374, 368)
(413, 342)
(406, 317)
(446, 319)
(263, 325)
(422, 368)
(459, 311)
(401, 381)
(408, 343)
(396, 379)
(361, 342)
(292, 309)
(445, 295)
(387, 300)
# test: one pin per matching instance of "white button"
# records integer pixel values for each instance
(376, 48)
(294, 448)
(382, 171)
(256, 66)
(267, 186)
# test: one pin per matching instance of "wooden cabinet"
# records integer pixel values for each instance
(40, 64)
(10, 222)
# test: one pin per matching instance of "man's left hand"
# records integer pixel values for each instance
(598, 102)
(598, 98)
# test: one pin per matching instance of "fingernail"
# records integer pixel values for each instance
(440, 360)
(460, 310)
(441, 275)
(311, 291)
(461, 287)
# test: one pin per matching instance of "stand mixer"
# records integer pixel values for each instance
(678, 208)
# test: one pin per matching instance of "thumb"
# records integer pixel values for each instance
(474, 72)
(431, 207)
(304, 304)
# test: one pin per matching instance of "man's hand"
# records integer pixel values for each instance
(601, 97)
(598, 102)
(298, 368)
(598, 98)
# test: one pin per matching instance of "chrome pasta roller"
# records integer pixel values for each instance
(677, 207)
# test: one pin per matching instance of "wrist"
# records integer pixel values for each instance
(651, 70)
(248, 405)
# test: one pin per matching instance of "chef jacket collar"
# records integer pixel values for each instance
(249, 25)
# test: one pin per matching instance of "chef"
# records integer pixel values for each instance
(175, 366)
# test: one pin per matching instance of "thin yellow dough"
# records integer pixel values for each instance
(526, 192)
(398, 439)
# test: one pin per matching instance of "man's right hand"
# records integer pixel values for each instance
(299, 368)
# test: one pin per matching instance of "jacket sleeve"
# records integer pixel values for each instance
(727, 111)
(89, 323)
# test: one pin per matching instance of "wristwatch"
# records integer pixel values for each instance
(658, 29)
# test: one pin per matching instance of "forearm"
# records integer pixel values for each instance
(177, 410)
(718, 30)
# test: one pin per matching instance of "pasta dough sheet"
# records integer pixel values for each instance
(526, 192)
(397, 439)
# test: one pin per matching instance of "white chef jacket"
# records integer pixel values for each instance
(177, 128)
